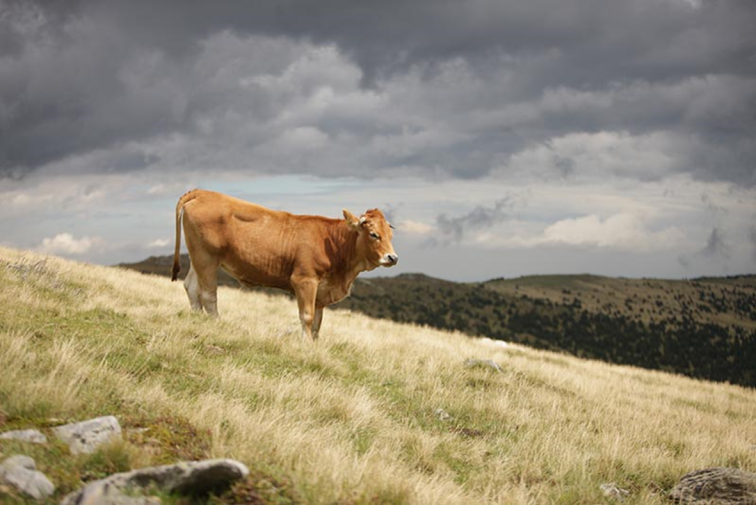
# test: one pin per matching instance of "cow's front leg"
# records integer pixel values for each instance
(306, 292)
(316, 323)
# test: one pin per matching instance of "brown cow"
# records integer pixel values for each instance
(316, 258)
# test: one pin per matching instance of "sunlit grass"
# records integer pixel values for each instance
(351, 419)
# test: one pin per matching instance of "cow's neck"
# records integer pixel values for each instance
(349, 264)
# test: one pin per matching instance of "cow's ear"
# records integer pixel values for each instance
(352, 221)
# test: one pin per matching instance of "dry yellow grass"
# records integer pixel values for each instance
(352, 419)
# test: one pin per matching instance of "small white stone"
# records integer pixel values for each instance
(443, 415)
(470, 363)
(611, 490)
(86, 436)
(19, 461)
(19, 472)
(35, 436)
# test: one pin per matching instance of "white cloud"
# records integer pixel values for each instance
(158, 243)
(602, 154)
(26, 199)
(621, 231)
(618, 232)
(415, 227)
(67, 244)
(58, 192)
(157, 189)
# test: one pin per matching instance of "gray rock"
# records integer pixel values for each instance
(21, 473)
(192, 478)
(35, 436)
(19, 461)
(715, 486)
(86, 436)
(443, 415)
(612, 490)
(116, 497)
(472, 363)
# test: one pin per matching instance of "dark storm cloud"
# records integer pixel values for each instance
(390, 212)
(684, 261)
(481, 79)
(716, 245)
(76, 84)
(716, 248)
(453, 229)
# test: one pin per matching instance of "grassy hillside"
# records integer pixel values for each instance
(704, 328)
(701, 328)
(352, 419)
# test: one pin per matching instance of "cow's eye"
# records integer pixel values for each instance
(375, 235)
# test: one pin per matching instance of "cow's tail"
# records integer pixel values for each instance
(189, 196)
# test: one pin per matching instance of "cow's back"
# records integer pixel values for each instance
(258, 246)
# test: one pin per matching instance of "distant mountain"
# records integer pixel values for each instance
(703, 327)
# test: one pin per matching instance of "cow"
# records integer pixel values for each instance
(316, 258)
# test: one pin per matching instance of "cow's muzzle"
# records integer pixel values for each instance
(389, 260)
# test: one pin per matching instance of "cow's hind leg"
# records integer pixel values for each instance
(191, 285)
(206, 271)
(208, 282)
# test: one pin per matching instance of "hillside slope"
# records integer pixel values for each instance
(701, 328)
(352, 419)
(704, 328)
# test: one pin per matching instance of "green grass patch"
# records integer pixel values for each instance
(260, 488)
(168, 438)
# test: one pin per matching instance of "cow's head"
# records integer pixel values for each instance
(374, 240)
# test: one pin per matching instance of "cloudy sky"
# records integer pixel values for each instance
(502, 138)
